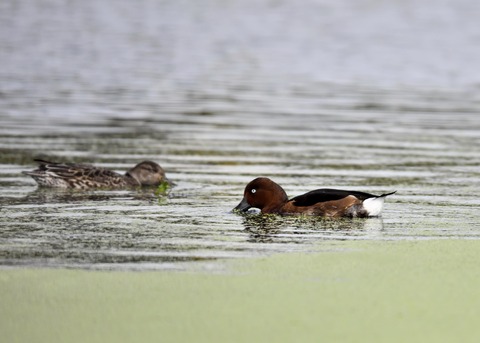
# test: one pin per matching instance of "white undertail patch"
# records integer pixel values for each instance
(374, 206)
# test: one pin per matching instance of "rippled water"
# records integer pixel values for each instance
(373, 97)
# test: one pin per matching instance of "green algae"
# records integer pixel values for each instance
(163, 188)
(415, 291)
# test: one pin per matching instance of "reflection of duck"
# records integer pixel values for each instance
(85, 176)
(44, 195)
(269, 197)
(301, 229)
(61, 195)
(262, 229)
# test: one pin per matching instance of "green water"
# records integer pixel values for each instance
(352, 292)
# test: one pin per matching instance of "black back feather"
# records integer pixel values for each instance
(327, 194)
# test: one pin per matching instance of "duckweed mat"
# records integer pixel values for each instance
(354, 291)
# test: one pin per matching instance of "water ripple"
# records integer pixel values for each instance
(366, 106)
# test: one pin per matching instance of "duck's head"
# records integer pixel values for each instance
(147, 173)
(264, 194)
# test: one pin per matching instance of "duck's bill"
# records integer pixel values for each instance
(243, 206)
(170, 182)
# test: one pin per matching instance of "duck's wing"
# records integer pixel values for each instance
(327, 194)
(49, 165)
(79, 176)
(65, 170)
(74, 171)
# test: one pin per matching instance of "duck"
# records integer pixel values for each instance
(86, 176)
(271, 198)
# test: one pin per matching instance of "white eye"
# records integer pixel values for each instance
(253, 190)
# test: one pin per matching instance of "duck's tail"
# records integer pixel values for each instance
(374, 206)
(387, 194)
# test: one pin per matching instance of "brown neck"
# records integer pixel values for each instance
(131, 180)
(273, 207)
(278, 202)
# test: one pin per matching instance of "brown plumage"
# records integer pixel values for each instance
(269, 197)
(86, 176)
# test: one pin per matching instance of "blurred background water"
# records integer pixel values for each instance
(367, 95)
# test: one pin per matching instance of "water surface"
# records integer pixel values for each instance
(371, 97)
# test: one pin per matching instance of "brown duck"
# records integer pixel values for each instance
(269, 197)
(86, 176)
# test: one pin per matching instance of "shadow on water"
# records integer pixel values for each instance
(299, 229)
(65, 196)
